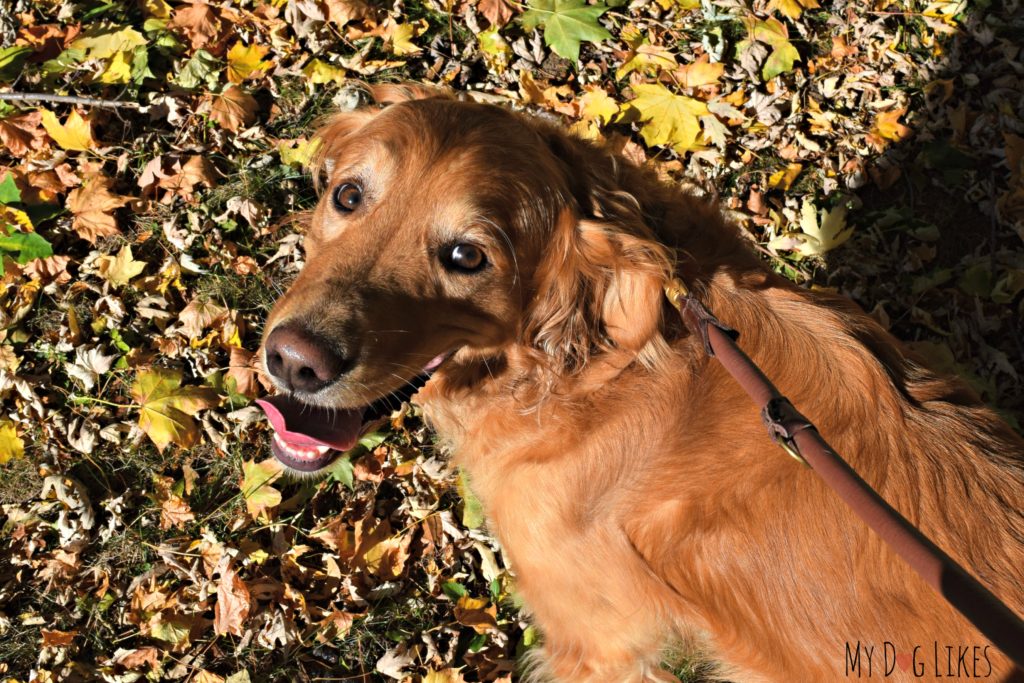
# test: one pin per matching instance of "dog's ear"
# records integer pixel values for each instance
(332, 136)
(597, 288)
(335, 132)
(599, 285)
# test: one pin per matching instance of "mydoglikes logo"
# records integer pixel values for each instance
(934, 660)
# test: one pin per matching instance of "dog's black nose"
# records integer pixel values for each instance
(301, 360)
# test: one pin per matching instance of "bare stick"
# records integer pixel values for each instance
(67, 99)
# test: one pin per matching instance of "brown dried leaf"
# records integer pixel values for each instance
(233, 604)
(23, 133)
(92, 205)
(200, 22)
(498, 12)
(234, 109)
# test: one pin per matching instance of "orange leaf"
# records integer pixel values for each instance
(93, 205)
(233, 604)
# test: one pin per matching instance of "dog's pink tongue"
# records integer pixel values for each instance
(300, 424)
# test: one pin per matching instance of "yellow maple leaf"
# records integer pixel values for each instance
(400, 37)
(698, 74)
(104, 44)
(784, 178)
(598, 105)
(116, 46)
(11, 445)
(319, 72)
(647, 59)
(888, 127)
(259, 495)
(792, 8)
(298, 152)
(75, 134)
(667, 118)
(118, 270)
(166, 408)
(247, 62)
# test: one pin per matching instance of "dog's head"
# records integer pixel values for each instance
(446, 227)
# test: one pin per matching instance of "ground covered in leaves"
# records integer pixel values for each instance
(875, 148)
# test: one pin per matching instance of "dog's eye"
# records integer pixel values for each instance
(467, 258)
(347, 197)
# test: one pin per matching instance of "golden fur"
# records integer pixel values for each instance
(628, 478)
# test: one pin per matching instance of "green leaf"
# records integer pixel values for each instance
(472, 508)
(28, 245)
(454, 590)
(566, 24)
(9, 192)
(341, 471)
(780, 61)
(11, 61)
(202, 68)
(977, 280)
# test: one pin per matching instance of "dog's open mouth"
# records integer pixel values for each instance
(308, 437)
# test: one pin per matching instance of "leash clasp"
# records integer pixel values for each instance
(675, 292)
(783, 422)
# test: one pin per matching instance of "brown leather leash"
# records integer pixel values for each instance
(800, 438)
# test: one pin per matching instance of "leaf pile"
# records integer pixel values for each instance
(874, 148)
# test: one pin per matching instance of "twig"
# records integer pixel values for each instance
(67, 99)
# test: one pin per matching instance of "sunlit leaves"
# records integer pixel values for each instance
(792, 9)
(566, 24)
(667, 118)
(11, 445)
(818, 234)
(118, 270)
(245, 62)
(120, 52)
(775, 35)
(75, 134)
(93, 205)
(166, 408)
(260, 496)
(233, 603)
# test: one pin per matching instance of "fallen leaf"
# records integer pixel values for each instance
(120, 269)
(166, 408)
(200, 22)
(566, 24)
(89, 365)
(699, 74)
(75, 134)
(260, 496)
(887, 127)
(246, 62)
(784, 178)
(497, 12)
(792, 8)
(11, 445)
(233, 603)
(22, 133)
(816, 237)
(57, 638)
(668, 119)
(92, 205)
(598, 105)
(234, 109)
(475, 613)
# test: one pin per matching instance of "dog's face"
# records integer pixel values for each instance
(443, 225)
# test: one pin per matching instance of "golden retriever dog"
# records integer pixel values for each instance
(631, 483)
